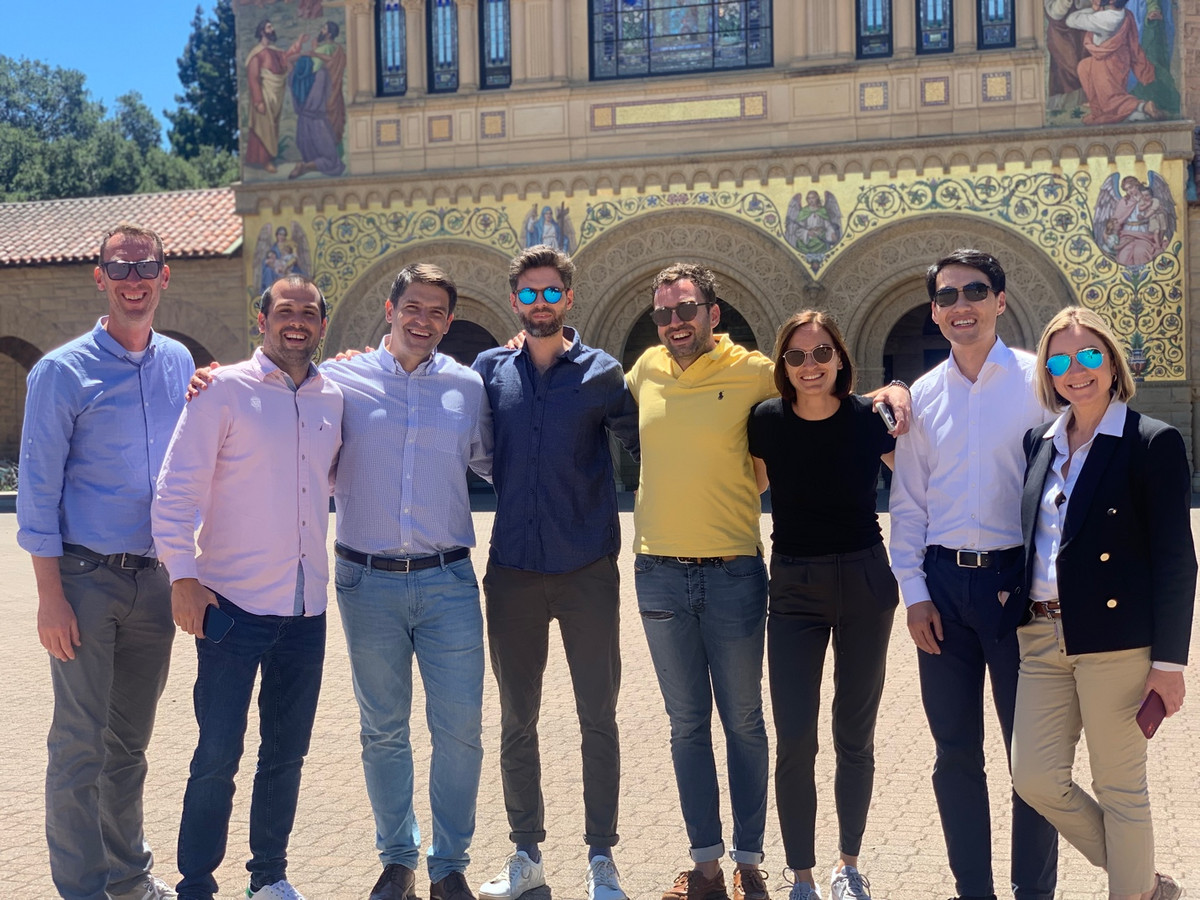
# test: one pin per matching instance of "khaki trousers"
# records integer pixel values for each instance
(1058, 695)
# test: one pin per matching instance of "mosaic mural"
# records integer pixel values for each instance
(291, 88)
(1111, 61)
(1115, 237)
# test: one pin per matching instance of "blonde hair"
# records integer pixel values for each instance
(1123, 387)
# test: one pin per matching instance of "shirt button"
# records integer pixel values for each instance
(304, 490)
(1103, 557)
(1112, 512)
(1112, 603)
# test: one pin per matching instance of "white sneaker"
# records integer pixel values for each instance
(151, 887)
(802, 890)
(520, 874)
(847, 883)
(280, 890)
(603, 882)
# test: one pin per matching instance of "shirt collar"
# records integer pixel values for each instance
(389, 363)
(571, 353)
(262, 368)
(101, 336)
(1000, 355)
(1111, 423)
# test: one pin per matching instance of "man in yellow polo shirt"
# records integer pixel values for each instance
(701, 582)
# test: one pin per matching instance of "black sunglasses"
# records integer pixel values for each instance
(821, 354)
(118, 270)
(948, 296)
(686, 310)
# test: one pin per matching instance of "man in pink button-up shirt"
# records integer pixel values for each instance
(254, 458)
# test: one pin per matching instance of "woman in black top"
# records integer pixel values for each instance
(820, 446)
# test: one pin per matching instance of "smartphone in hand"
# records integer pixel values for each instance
(1150, 716)
(217, 623)
(885, 413)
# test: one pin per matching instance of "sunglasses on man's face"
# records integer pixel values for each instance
(948, 296)
(528, 295)
(118, 270)
(686, 311)
(1089, 358)
(821, 354)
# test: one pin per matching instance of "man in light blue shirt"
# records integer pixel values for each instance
(413, 421)
(99, 414)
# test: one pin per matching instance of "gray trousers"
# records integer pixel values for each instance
(586, 602)
(104, 705)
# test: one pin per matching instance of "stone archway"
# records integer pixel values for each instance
(479, 273)
(871, 286)
(756, 273)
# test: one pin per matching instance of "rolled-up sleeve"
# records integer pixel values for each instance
(45, 445)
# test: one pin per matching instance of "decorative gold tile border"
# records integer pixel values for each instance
(387, 133)
(680, 111)
(935, 91)
(872, 96)
(996, 86)
(492, 125)
(441, 129)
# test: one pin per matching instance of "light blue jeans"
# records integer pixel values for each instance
(435, 614)
(705, 626)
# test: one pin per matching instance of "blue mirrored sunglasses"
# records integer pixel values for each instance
(528, 295)
(1089, 358)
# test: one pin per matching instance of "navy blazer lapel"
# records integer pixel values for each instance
(1103, 446)
(1031, 497)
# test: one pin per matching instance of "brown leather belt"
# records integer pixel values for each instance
(1045, 609)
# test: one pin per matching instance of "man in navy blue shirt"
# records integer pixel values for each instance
(553, 556)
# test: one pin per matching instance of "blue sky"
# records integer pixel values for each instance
(131, 46)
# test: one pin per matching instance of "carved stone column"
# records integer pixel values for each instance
(361, 48)
(414, 32)
(468, 45)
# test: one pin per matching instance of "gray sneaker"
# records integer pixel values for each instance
(602, 880)
(802, 890)
(149, 887)
(1166, 888)
(847, 883)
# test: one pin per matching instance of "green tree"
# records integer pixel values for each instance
(137, 122)
(208, 111)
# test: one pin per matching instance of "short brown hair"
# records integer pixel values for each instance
(702, 277)
(1123, 387)
(291, 280)
(843, 385)
(425, 273)
(541, 256)
(127, 229)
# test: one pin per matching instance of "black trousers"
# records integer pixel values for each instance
(852, 598)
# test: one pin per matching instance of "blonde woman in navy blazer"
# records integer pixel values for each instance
(1105, 606)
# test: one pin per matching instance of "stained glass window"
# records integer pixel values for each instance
(392, 65)
(874, 28)
(443, 45)
(496, 46)
(634, 38)
(996, 24)
(935, 26)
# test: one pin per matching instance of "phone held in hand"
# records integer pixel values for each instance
(1150, 716)
(885, 413)
(217, 623)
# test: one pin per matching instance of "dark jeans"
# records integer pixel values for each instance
(291, 653)
(587, 604)
(952, 692)
(852, 598)
(104, 704)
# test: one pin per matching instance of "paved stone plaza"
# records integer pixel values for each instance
(332, 848)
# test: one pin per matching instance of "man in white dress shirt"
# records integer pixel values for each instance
(956, 537)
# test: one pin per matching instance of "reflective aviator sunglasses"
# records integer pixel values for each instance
(1089, 358)
(528, 295)
(948, 296)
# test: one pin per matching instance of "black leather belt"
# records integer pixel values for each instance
(976, 559)
(401, 564)
(697, 560)
(115, 560)
(1047, 609)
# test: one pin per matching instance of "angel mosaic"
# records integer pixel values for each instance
(554, 229)
(1134, 221)
(813, 227)
(278, 252)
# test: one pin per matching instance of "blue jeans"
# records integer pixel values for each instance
(291, 653)
(952, 693)
(705, 625)
(104, 703)
(435, 614)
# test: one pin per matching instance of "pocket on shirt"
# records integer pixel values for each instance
(451, 429)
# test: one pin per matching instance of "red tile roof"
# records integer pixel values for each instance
(191, 224)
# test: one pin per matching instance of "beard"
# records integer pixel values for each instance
(544, 329)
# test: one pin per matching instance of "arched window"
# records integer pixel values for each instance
(935, 26)
(391, 53)
(635, 38)
(996, 24)
(874, 21)
(443, 45)
(495, 48)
